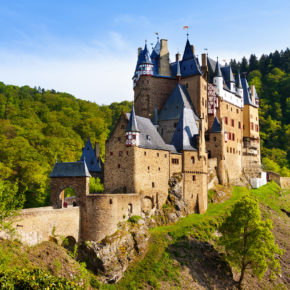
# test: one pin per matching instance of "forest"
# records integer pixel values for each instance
(38, 127)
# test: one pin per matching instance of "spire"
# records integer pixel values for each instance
(217, 72)
(132, 124)
(146, 56)
(238, 81)
(216, 126)
(188, 53)
(155, 117)
(247, 92)
(231, 76)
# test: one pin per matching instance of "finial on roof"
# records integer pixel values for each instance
(187, 35)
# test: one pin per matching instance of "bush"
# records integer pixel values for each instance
(33, 279)
(134, 219)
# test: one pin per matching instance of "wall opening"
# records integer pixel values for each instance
(68, 197)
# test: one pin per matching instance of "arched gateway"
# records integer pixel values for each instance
(74, 175)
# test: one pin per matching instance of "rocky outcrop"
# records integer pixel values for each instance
(110, 258)
(175, 207)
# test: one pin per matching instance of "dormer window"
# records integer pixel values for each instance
(148, 137)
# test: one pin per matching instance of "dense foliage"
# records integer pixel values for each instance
(38, 127)
(271, 76)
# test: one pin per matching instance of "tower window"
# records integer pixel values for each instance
(158, 168)
(157, 154)
(119, 165)
(175, 161)
(226, 120)
(214, 138)
(192, 160)
(148, 167)
(193, 177)
(145, 153)
(237, 111)
(153, 184)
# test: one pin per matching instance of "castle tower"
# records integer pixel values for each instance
(132, 131)
(164, 65)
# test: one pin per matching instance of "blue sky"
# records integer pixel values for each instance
(88, 48)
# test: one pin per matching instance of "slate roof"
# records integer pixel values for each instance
(217, 71)
(132, 124)
(187, 54)
(89, 156)
(155, 57)
(149, 136)
(173, 106)
(186, 132)
(247, 92)
(216, 126)
(238, 81)
(70, 169)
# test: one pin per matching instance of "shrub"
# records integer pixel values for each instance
(134, 219)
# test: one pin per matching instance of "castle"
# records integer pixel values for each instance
(194, 120)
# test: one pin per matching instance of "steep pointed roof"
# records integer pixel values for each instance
(132, 124)
(178, 99)
(155, 57)
(70, 169)
(238, 81)
(217, 72)
(186, 131)
(155, 117)
(146, 56)
(227, 73)
(188, 54)
(90, 158)
(247, 92)
(216, 126)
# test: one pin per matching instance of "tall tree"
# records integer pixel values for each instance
(248, 241)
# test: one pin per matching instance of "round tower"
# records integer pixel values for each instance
(218, 79)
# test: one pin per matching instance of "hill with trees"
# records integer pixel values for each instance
(38, 127)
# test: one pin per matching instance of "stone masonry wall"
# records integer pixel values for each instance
(35, 225)
(195, 181)
(105, 211)
(152, 175)
(150, 92)
(119, 161)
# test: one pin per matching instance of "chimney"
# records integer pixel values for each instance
(139, 50)
(97, 150)
(192, 48)
(204, 59)
(164, 65)
(177, 57)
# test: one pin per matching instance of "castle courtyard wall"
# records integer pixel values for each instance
(35, 225)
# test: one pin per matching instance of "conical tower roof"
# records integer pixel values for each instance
(132, 124)
(217, 72)
(216, 126)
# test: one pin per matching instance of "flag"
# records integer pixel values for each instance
(185, 27)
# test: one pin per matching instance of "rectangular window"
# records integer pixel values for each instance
(233, 136)
(252, 125)
(233, 123)
(153, 184)
(257, 128)
(157, 154)
(144, 153)
(230, 135)
(226, 120)
(119, 165)
(111, 153)
(134, 137)
(165, 155)
(193, 177)
(192, 159)
(239, 125)
(119, 139)
(175, 161)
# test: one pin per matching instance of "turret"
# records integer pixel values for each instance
(178, 73)
(239, 85)
(232, 84)
(164, 65)
(144, 65)
(132, 131)
(218, 79)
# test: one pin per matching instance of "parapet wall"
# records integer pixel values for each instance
(35, 225)
(103, 212)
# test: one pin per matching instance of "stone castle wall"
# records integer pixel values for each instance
(151, 92)
(103, 212)
(35, 225)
